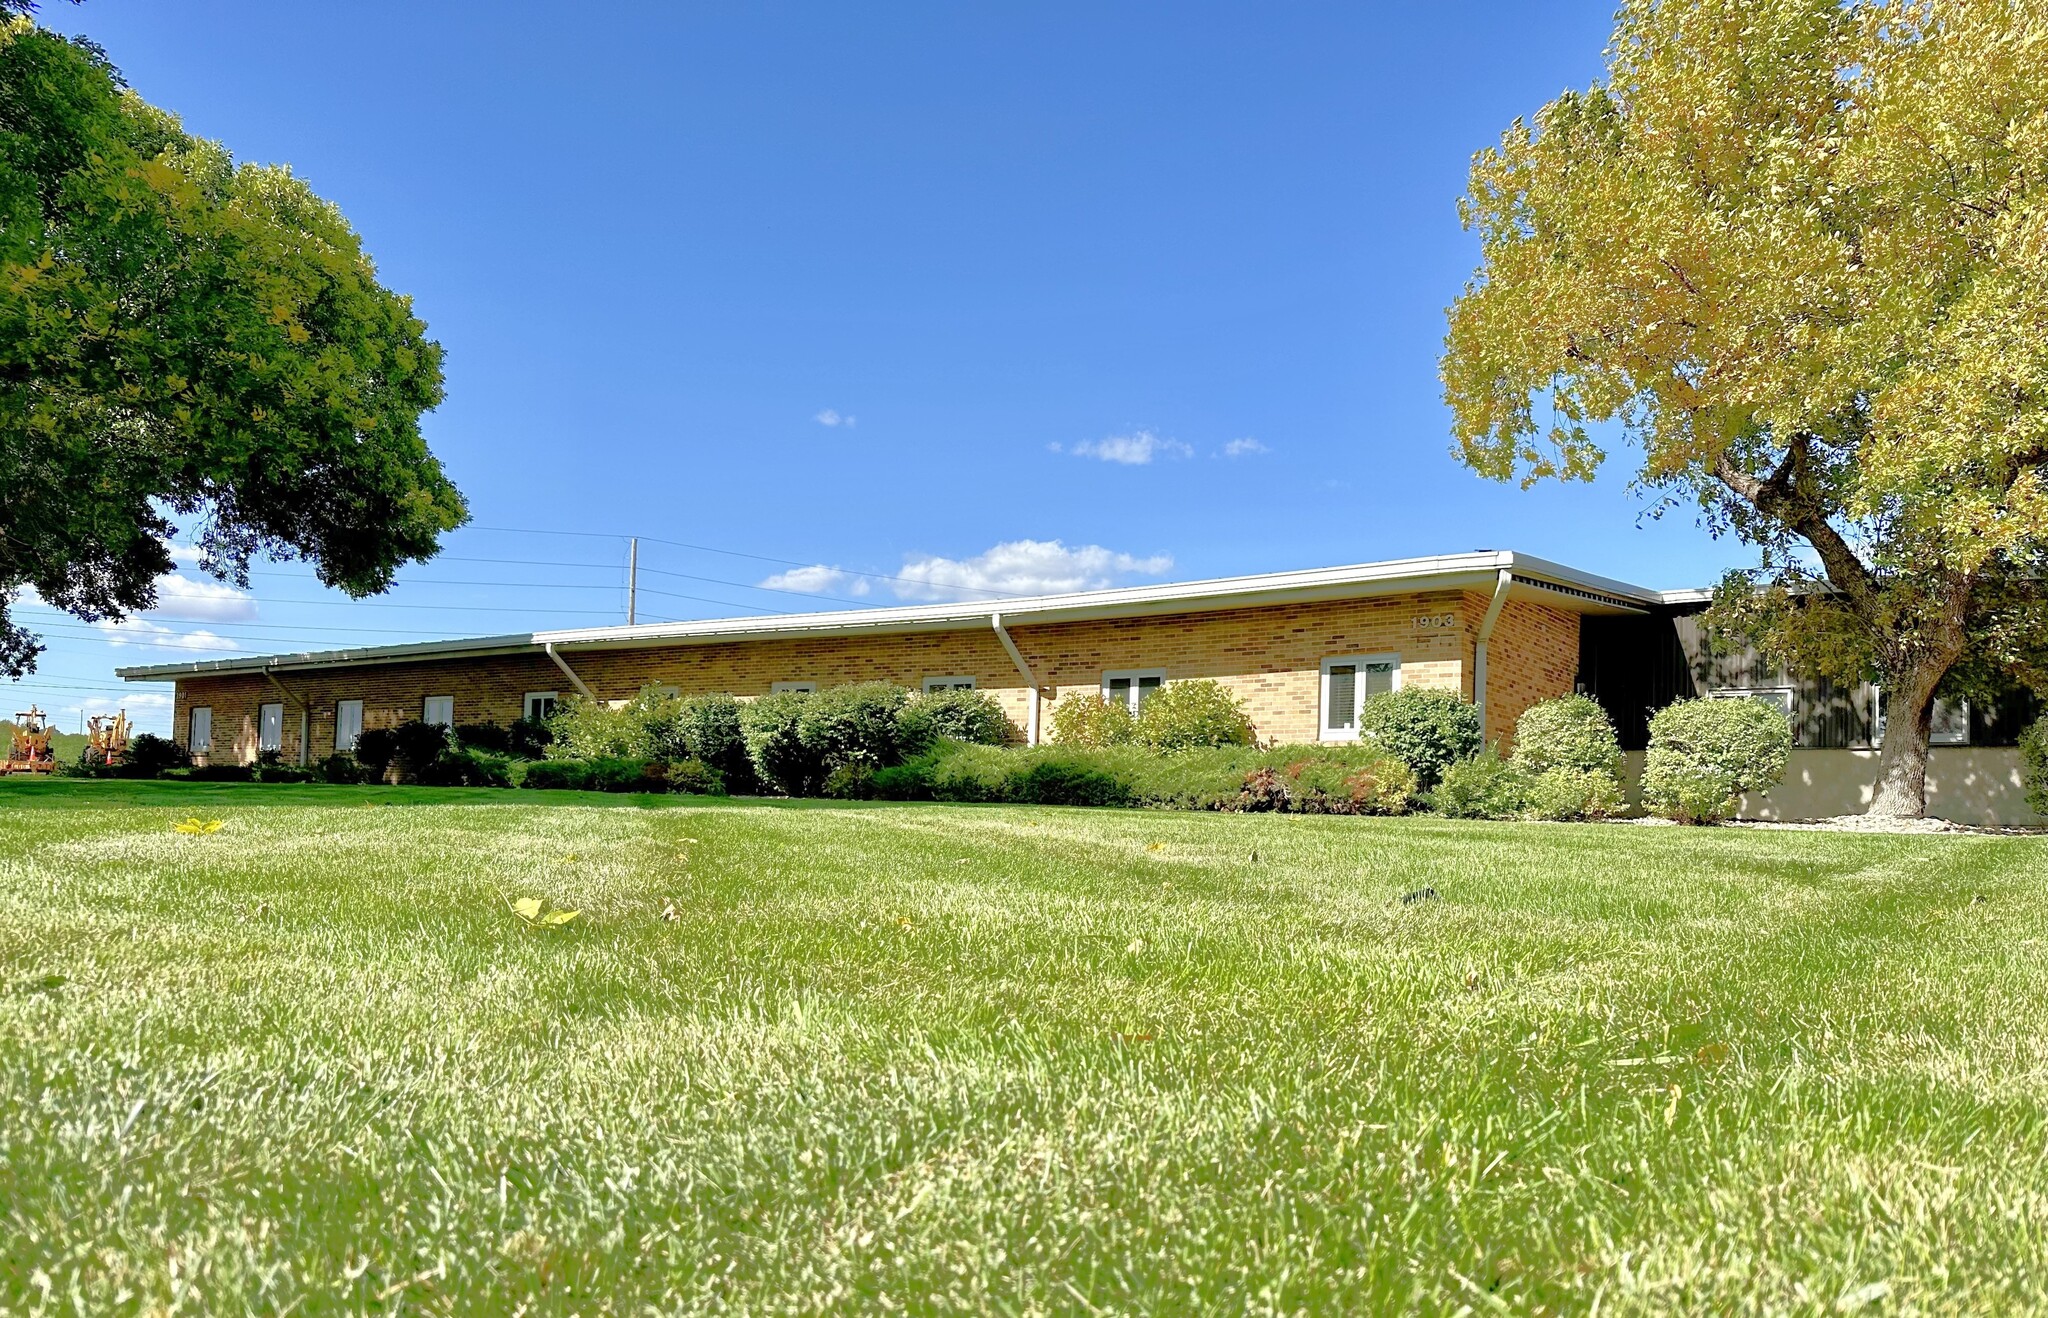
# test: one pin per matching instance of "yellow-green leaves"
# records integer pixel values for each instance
(197, 825)
(533, 910)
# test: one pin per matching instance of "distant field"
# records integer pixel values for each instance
(807, 1058)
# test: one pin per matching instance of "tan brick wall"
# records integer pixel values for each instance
(1271, 657)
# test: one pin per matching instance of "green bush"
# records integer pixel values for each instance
(970, 716)
(375, 749)
(695, 778)
(1562, 792)
(851, 782)
(1486, 786)
(341, 769)
(620, 773)
(149, 755)
(712, 728)
(650, 726)
(282, 773)
(775, 744)
(1572, 731)
(2034, 764)
(492, 737)
(557, 775)
(1333, 784)
(1704, 754)
(854, 724)
(416, 746)
(1193, 714)
(528, 738)
(1426, 729)
(219, 773)
(461, 766)
(1084, 718)
(1570, 758)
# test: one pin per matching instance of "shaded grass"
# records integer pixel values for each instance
(803, 1058)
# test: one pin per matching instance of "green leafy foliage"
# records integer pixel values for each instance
(149, 755)
(1485, 786)
(1572, 731)
(416, 745)
(184, 337)
(1426, 729)
(971, 716)
(466, 766)
(1085, 718)
(375, 749)
(1192, 714)
(2034, 764)
(557, 775)
(782, 760)
(695, 778)
(342, 770)
(854, 724)
(1704, 754)
(713, 731)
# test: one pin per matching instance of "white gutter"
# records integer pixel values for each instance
(995, 620)
(1500, 599)
(567, 671)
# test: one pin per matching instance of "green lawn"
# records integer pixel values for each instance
(799, 1058)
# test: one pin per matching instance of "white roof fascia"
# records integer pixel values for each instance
(368, 654)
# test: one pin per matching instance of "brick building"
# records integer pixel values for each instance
(1301, 649)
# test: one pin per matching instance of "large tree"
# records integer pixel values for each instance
(1797, 252)
(185, 338)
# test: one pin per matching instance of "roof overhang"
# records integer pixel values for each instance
(1531, 579)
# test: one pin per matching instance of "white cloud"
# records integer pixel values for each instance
(1238, 448)
(1132, 450)
(210, 601)
(1023, 567)
(156, 636)
(818, 579)
(830, 417)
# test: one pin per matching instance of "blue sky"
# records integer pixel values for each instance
(968, 298)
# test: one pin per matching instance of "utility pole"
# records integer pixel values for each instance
(632, 577)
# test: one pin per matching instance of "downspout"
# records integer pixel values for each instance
(305, 716)
(1030, 680)
(568, 672)
(1500, 599)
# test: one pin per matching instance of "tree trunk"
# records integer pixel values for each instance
(1902, 763)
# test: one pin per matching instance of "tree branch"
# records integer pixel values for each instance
(1782, 498)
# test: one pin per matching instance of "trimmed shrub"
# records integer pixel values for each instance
(341, 769)
(618, 773)
(1265, 789)
(1067, 781)
(775, 744)
(460, 766)
(2034, 764)
(711, 726)
(969, 716)
(219, 773)
(1426, 729)
(854, 724)
(416, 746)
(1084, 718)
(1193, 714)
(528, 738)
(851, 782)
(1570, 759)
(149, 755)
(1565, 793)
(1328, 786)
(484, 737)
(1486, 786)
(557, 775)
(695, 778)
(647, 727)
(1704, 754)
(282, 773)
(1570, 731)
(375, 749)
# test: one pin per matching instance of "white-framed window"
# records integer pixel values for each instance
(199, 729)
(1950, 726)
(1779, 698)
(777, 688)
(538, 705)
(438, 710)
(270, 727)
(948, 684)
(1132, 687)
(1347, 680)
(348, 724)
